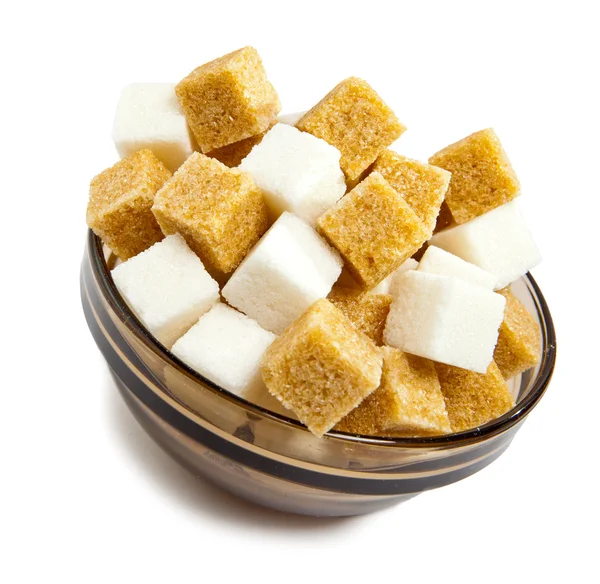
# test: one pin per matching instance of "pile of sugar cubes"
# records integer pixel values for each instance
(275, 256)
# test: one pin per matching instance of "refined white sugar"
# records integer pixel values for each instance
(290, 119)
(297, 172)
(288, 269)
(148, 116)
(438, 261)
(498, 241)
(445, 319)
(387, 285)
(226, 347)
(167, 287)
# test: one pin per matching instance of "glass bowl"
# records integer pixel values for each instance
(273, 460)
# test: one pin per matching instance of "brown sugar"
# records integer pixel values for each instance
(321, 367)
(444, 219)
(519, 342)
(367, 312)
(374, 229)
(228, 99)
(233, 154)
(353, 118)
(121, 197)
(482, 176)
(408, 401)
(219, 211)
(472, 399)
(423, 186)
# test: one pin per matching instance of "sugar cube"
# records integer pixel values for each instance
(445, 319)
(321, 367)
(366, 311)
(444, 219)
(473, 399)
(232, 155)
(374, 229)
(149, 117)
(423, 186)
(498, 242)
(387, 285)
(438, 261)
(407, 402)
(219, 210)
(226, 347)
(290, 119)
(519, 343)
(121, 197)
(354, 119)
(228, 99)
(167, 287)
(297, 172)
(289, 268)
(482, 176)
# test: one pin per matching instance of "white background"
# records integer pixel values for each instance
(85, 495)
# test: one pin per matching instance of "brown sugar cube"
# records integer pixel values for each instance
(367, 312)
(233, 154)
(444, 219)
(219, 211)
(354, 119)
(472, 399)
(121, 197)
(519, 342)
(321, 367)
(408, 401)
(374, 229)
(228, 99)
(423, 186)
(482, 177)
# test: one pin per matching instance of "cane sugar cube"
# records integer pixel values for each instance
(321, 367)
(232, 155)
(228, 99)
(289, 268)
(423, 186)
(407, 402)
(387, 286)
(437, 261)
(519, 343)
(167, 287)
(445, 319)
(354, 119)
(482, 176)
(148, 116)
(374, 229)
(444, 219)
(219, 211)
(226, 347)
(121, 197)
(366, 311)
(290, 119)
(473, 399)
(297, 172)
(498, 242)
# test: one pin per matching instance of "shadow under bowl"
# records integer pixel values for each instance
(273, 460)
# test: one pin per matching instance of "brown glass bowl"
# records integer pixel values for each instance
(274, 460)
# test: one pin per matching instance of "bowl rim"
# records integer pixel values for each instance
(497, 426)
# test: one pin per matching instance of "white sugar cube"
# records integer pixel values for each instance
(148, 116)
(445, 319)
(498, 241)
(297, 172)
(167, 287)
(387, 285)
(290, 119)
(438, 261)
(226, 347)
(288, 269)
